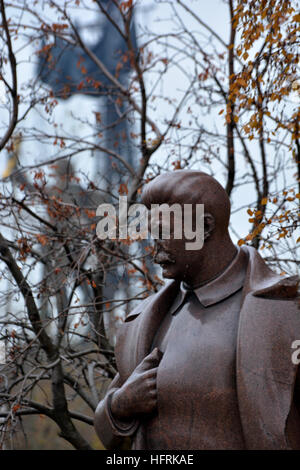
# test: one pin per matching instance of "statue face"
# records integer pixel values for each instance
(170, 256)
(175, 261)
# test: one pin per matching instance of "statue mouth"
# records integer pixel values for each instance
(163, 259)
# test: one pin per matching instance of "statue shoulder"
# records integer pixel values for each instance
(284, 289)
(263, 282)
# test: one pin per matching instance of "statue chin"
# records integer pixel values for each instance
(167, 270)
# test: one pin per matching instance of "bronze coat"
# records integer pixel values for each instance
(265, 375)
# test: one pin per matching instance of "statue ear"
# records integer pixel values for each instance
(209, 224)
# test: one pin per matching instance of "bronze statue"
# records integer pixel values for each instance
(205, 363)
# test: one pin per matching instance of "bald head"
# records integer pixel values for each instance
(190, 187)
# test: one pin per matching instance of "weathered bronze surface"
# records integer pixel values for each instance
(206, 362)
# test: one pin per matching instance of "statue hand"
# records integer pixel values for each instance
(138, 395)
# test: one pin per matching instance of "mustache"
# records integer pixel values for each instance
(163, 257)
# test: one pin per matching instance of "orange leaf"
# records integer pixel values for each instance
(42, 239)
(131, 271)
(123, 189)
(98, 116)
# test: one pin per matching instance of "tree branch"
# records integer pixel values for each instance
(32, 310)
(12, 89)
(230, 113)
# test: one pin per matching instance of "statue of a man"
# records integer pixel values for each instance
(206, 363)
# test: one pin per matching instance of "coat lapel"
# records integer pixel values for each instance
(140, 327)
(152, 317)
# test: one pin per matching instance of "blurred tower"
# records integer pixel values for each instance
(68, 71)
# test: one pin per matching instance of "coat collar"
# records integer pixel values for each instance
(227, 283)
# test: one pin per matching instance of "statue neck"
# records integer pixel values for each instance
(214, 260)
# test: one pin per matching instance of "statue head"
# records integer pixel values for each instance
(190, 187)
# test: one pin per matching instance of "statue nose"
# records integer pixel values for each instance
(159, 243)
